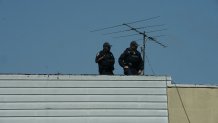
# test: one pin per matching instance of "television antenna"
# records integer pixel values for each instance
(138, 32)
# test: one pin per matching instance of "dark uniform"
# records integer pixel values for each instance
(105, 60)
(131, 60)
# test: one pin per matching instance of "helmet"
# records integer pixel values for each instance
(106, 44)
(133, 43)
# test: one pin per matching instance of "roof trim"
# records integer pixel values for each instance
(170, 85)
(81, 77)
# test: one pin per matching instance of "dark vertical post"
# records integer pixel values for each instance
(143, 57)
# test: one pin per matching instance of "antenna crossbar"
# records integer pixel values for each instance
(126, 23)
(131, 30)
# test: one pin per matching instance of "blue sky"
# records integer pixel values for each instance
(53, 36)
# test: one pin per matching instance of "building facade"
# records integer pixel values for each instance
(104, 99)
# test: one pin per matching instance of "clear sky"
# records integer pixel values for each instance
(53, 36)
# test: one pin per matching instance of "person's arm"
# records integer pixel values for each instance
(99, 57)
(122, 62)
(121, 59)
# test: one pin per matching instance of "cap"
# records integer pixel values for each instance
(133, 43)
(106, 44)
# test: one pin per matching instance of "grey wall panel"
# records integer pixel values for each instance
(82, 91)
(83, 99)
(84, 113)
(67, 83)
(85, 105)
(84, 120)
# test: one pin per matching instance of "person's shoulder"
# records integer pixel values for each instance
(110, 53)
(127, 50)
(138, 52)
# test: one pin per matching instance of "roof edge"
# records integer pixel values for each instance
(82, 77)
(170, 85)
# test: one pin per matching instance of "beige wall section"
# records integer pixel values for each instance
(201, 105)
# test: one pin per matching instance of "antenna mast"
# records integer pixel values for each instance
(143, 51)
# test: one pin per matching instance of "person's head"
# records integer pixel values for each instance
(106, 47)
(133, 45)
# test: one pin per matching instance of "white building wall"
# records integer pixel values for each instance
(83, 99)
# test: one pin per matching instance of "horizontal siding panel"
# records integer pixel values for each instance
(84, 120)
(84, 105)
(82, 91)
(84, 113)
(67, 84)
(81, 98)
